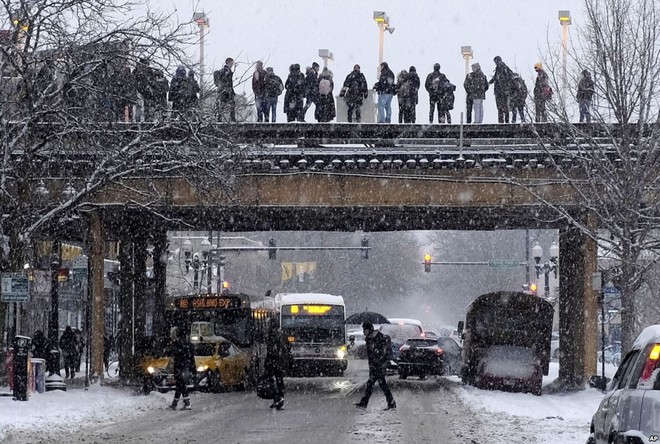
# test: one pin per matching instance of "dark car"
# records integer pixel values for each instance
(629, 411)
(424, 356)
(511, 368)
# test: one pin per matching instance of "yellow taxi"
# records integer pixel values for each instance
(219, 364)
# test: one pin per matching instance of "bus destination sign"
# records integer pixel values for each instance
(207, 301)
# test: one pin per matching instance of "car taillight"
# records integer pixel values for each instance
(651, 362)
(439, 351)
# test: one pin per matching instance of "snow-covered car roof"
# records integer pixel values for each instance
(649, 334)
(405, 321)
(308, 298)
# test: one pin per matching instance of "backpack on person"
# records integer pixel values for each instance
(388, 354)
(325, 87)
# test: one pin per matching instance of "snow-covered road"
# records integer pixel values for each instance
(318, 411)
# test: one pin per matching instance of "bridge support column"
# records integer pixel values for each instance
(97, 289)
(577, 309)
(160, 250)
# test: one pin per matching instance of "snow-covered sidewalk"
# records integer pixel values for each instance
(59, 411)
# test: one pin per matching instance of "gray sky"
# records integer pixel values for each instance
(282, 32)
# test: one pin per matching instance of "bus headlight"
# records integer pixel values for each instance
(341, 352)
(151, 370)
(202, 368)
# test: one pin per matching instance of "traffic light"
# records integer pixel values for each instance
(272, 249)
(221, 260)
(365, 246)
(531, 288)
(427, 263)
(225, 287)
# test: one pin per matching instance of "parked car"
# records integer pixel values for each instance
(554, 345)
(357, 347)
(423, 356)
(510, 367)
(629, 411)
(219, 364)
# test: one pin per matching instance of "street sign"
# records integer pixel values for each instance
(503, 264)
(606, 320)
(14, 287)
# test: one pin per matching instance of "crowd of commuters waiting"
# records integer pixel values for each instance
(146, 92)
(303, 90)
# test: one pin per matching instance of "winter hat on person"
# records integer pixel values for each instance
(538, 65)
(476, 67)
(367, 326)
(412, 69)
(436, 67)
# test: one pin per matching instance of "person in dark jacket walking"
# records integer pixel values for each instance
(160, 90)
(278, 356)
(518, 97)
(191, 91)
(386, 90)
(476, 85)
(585, 94)
(377, 354)
(69, 347)
(355, 90)
(406, 95)
(259, 89)
(434, 83)
(311, 88)
(542, 93)
(183, 356)
(325, 105)
(502, 80)
(272, 90)
(295, 93)
(224, 81)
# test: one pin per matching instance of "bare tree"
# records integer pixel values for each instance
(65, 104)
(613, 165)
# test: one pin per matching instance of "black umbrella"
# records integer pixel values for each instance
(367, 316)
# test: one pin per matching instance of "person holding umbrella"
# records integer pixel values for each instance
(377, 353)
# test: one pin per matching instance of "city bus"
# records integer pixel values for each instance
(506, 341)
(315, 326)
(242, 319)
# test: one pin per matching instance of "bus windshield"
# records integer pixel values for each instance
(314, 323)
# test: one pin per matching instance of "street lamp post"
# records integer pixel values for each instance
(53, 364)
(546, 267)
(565, 21)
(467, 55)
(203, 23)
(383, 23)
(326, 55)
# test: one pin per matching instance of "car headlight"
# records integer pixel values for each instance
(202, 368)
(151, 370)
(341, 352)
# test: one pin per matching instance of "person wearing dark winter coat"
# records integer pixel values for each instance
(585, 94)
(258, 89)
(502, 80)
(125, 93)
(446, 102)
(311, 87)
(517, 98)
(183, 357)
(278, 357)
(69, 347)
(542, 93)
(272, 90)
(190, 91)
(80, 344)
(295, 93)
(39, 345)
(476, 85)
(386, 90)
(406, 97)
(224, 81)
(377, 354)
(413, 78)
(177, 87)
(145, 84)
(434, 86)
(355, 90)
(325, 106)
(160, 89)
